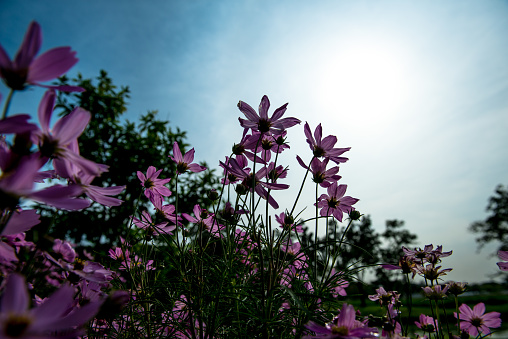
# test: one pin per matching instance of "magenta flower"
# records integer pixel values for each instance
(19, 184)
(254, 181)
(53, 143)
(475, 321)
(20, 221)
(204, 220)
(324, 147)
(185, 163)
(339, 282)
(47, 320)
(503, 255)
(384, 297)
(154, 187)
(153, 229)
(287, 222)
(335, 203)
(435, 292)
(26, 69)
(343, 326)
(320, 175)
(426, 324)
(101, 195)
(17, 124)
(261, 122)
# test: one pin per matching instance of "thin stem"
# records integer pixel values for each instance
(7, 104)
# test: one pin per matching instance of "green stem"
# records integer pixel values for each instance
(7, 104)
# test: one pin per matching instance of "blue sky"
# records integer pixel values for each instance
(417, 89)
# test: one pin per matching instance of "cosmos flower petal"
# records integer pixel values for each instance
(189, 156)
(264, 105)
(503, 255)
(479, 309)
(279, 112)
(5, 61)
(51, 64)
(71, 126)
(21, 221)
(177, 155)
(30, 46)
(15, 297)
(46, 109)
(248, 111)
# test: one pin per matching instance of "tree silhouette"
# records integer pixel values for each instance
(495, 226)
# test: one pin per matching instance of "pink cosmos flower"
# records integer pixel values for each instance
(20, 182)
(184, 163)
(324, 147)
(288, 223)
(335, 203)
(101, 195)
(26, 69)
(384, 297)
(154, 187)
(325, 178)
(49, 319)
(153, 229)
(254, 181)
(16, 124)
(435, 292)
(339, 282)
(503, 255)
(475, 321)
(426, 324)
(343, 326)
(204, 220)
(20, 221)
(53, 143)
(261, 122)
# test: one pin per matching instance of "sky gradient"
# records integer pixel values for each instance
(417, 89)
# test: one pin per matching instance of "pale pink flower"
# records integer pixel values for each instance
(426, 324)
(335, 203)
(324, 147)
(50, 319)
(475, 321)
(154, 187)
(53, 142)
(184, 163)
(343, 326)
(27, 69)
(261, 122)
(503, 255)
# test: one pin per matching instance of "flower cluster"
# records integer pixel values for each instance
(217, 270)
(26, 149)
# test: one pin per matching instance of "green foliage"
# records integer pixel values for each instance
(495, 226)
(126, 147)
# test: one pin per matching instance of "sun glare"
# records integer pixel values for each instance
(368, 81)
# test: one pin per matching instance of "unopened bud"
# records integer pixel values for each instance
(354, 215)
(213, 195)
